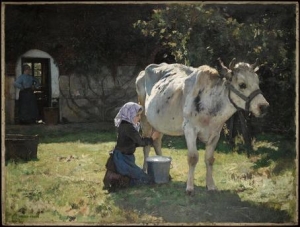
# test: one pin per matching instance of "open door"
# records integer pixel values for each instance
(41, 70)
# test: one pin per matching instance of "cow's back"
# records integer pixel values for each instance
(152, 74)
(146, 80)
(164, 103)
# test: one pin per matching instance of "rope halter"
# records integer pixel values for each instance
(242, 96)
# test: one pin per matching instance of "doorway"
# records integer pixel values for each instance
(41, 70)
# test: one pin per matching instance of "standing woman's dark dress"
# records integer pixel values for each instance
(28, 109)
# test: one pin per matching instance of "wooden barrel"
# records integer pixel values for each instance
(51, 115)
(18, 146)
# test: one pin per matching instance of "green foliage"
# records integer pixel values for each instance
(82, 38)
(198, 34)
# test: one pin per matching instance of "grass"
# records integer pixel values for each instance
(64, 185)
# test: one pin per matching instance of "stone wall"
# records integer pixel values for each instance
(92, 98)
(82, 98)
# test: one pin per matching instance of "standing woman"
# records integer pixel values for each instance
(28, 109)
(128, 123)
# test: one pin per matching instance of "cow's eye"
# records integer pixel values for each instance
(242, 85)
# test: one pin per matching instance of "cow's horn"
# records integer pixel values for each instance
(253, 66)
(232, 64)
(224, 70)
(221, 63)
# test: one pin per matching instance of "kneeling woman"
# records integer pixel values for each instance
(123, 167)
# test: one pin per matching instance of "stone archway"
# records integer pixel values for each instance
(34, 53)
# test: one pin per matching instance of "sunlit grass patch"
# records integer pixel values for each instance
(64, 185)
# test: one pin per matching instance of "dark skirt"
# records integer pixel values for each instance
(28, 109)
(125, 165)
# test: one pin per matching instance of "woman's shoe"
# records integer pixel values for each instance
(110, 179)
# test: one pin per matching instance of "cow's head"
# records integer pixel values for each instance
(243, 87)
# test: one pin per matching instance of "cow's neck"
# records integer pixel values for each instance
(220, 107)
(231, 107)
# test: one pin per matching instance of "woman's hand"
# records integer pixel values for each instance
(155, 135)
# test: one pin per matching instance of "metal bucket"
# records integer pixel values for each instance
(159, 168)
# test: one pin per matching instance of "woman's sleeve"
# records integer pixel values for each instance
(136, 137)
(18, 83)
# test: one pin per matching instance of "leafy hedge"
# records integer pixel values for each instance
(198, 34)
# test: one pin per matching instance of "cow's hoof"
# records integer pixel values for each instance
(213, 188)
(190, 192)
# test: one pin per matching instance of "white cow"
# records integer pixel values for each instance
(196, 102)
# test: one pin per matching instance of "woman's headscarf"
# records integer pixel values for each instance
(127, 112)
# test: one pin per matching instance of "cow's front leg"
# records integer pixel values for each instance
(192, 157)
(146, 151)
(157, 148)
(209, 161)
(146, 132)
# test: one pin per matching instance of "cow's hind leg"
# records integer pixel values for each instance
(192, 157)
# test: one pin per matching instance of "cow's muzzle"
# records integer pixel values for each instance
(263, 109)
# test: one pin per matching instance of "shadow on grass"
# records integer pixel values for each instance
(62, 133)
(168, 203)
(106, 132)
(20, 161)
(284, 156)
